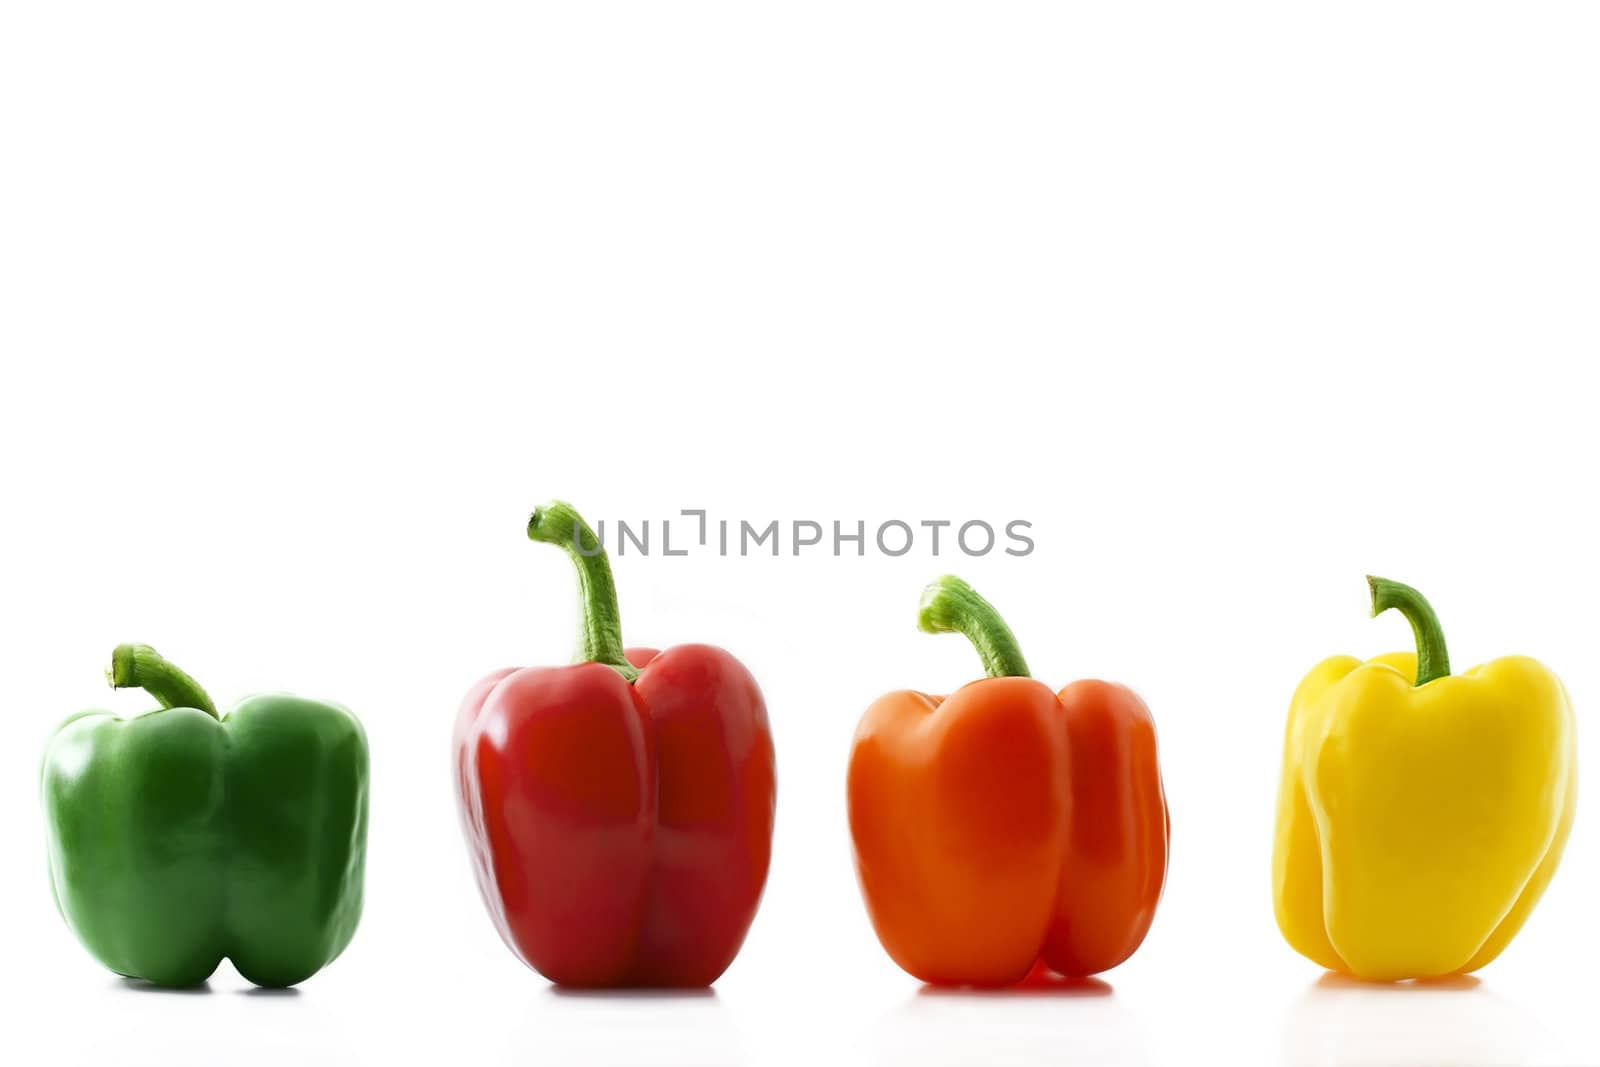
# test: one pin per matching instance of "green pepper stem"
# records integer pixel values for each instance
(558, 523)
(950, 606)
(1432, 659)
(142, 667)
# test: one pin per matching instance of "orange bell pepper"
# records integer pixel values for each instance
(1006, 829)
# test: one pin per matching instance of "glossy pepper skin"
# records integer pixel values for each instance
(618, 810)
(182, 836)
(1421, 814)
(1006, 830)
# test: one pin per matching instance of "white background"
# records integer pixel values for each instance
(304, 305)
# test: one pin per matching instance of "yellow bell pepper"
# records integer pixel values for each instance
(1421, 814)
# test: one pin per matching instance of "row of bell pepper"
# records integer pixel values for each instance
(619, 812)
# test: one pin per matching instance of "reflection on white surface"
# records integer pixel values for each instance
(136, 1024)
(690, 1027)
(1063, 1022)
(1459, 1022)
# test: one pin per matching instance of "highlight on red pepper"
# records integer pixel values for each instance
(618, 810)
(1005, 830)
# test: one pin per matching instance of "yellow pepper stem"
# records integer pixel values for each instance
(1432, 659)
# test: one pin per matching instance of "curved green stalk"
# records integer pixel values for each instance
(558, 523)
(1433, 661)
(950, 605)
(142, 667)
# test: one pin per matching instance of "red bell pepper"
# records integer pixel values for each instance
(619, 810)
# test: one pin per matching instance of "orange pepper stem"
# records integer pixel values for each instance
(558, 523)
(951, 606)
(1433, 661)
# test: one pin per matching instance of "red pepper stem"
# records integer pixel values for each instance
(950, 605)
(142, 667)
(558, 523)
(1432, 659)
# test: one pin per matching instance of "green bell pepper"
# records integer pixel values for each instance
(181, 836)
